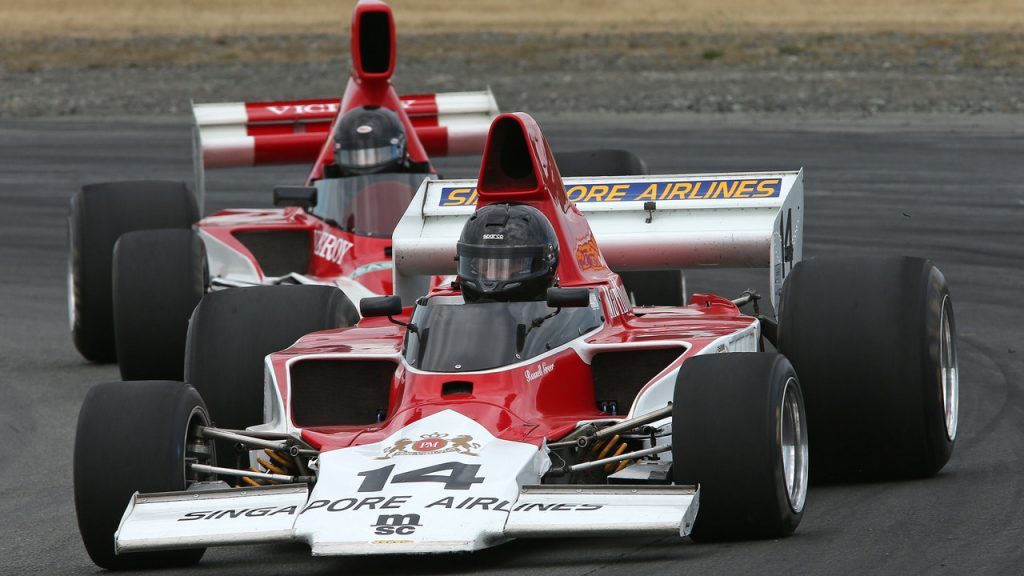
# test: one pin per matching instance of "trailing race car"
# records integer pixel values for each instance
(524, 396)
(140, 258)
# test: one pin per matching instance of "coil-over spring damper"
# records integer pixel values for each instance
(275, 463)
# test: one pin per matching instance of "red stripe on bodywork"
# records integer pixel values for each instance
(289, 129)
(287, 148)
(434, 139)
(419, 104)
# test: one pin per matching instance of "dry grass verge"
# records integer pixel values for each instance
(120, 18)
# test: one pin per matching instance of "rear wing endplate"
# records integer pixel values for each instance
(658, 222)
(233, 134)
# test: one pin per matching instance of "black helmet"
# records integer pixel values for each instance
(507, 252)
(369, 139)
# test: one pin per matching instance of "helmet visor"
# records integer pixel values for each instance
(493, 264)
(364, 158)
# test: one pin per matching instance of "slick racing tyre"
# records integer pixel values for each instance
(599, 163)
(134, 436)
(99, 215)
(233, 330)
(874, 342)
(655, 287)
(159, 277)
(739, 431)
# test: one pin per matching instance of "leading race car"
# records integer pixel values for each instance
(524, 396)
(140, 258)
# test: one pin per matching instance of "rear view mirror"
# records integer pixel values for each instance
(380, 306)
(568, 297)
(301, 196)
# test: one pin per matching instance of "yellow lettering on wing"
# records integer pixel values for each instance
(744, 189)
(617, 193)
(576, 193)
(679, 191)
(651, 193)
(596, 193)
(766, 188)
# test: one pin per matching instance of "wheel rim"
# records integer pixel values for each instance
(793, 434)
(949, 370)
(198, 450)
(71, 283)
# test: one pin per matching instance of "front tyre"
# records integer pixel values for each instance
(134, 437)
(739, 431)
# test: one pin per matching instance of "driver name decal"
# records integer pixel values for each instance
(537, 372)
(732, 189)
(330, 247)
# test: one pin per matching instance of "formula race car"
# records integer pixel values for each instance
(524, 396)
(140, 258)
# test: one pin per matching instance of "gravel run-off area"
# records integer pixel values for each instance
(862, 74)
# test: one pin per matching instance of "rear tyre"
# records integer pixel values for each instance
(655, 287)
(874, 342)
(599, 163)
(99, 215)
(739, 431)
(134, 436)
(159, 277)
(232, 332)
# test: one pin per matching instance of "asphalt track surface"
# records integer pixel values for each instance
(954, 195)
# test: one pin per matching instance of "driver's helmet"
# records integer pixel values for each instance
(369, 139)
(507, 252)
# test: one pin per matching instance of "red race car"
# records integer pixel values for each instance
(524, 395)
(140, 258)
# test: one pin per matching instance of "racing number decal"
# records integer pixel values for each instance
(786, 233)
(459, 477)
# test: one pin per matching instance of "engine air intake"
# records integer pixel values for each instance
(340, 392)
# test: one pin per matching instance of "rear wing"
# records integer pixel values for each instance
(293, 132)
(640, 222)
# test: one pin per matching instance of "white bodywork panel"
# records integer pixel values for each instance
(215, 518)
(448, 517)
(603, 510)
(727, 220)
(442, 484)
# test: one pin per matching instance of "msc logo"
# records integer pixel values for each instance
(403, 524)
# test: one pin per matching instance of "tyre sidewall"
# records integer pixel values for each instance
(130, 438)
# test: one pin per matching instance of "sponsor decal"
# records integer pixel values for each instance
(356, 504)
(537, 372)
(237, 513)
(364, 129)
(732, 189)
(401, 524)
(304, 109)
(588, 255)
(557, 507)
(494, 236)
(498, 505)
(434, 443)
(330, 247)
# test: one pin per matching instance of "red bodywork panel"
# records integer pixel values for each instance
(546, 405)
(333, 252)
